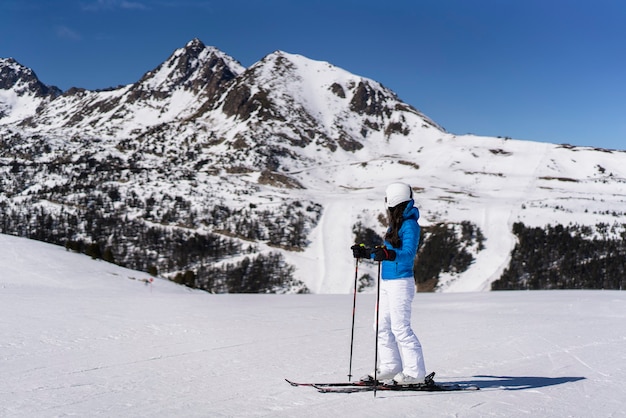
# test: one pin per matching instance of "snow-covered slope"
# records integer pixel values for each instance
(83, 337)
(488, 181)
(200, 132)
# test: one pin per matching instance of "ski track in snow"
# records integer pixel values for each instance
(336, 248)
(496, 219)
(86, 338)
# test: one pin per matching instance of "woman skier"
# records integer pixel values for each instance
(400, 352)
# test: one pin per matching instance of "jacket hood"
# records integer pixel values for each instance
(411, 211)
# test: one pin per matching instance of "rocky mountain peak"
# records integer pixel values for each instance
(308, 102)
(195, 45)
(23, 80)
(194, 67)
(21, 92)
(188, 81)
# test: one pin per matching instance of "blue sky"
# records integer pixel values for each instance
(543, 70)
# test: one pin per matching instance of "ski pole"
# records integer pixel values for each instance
(356, 273)
(376, 332)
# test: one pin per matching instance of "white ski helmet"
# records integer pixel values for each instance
(397, 193)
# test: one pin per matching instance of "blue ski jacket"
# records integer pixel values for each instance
(402, 266)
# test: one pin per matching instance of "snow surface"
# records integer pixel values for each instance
(87, 338)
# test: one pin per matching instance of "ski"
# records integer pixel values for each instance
(343, 389)
(371, 385)
(435, 387)
(358, 384)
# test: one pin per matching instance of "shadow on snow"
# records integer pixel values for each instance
(518, 382)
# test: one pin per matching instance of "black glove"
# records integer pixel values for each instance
(360, 251)
(382, 254)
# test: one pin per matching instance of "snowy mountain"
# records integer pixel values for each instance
(256, 179)
(21, 92)
(174, 90)
(82, 337)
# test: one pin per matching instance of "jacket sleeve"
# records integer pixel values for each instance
(410, 233)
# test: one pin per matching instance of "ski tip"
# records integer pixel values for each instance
(291, 383)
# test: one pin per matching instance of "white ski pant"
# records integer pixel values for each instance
(399, 349)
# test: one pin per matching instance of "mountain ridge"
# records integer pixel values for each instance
(283, 157)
